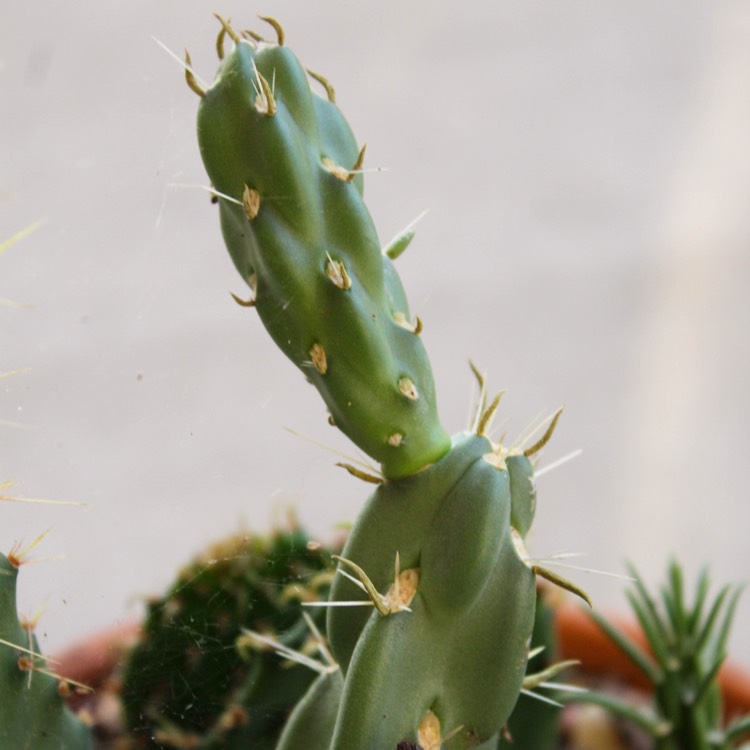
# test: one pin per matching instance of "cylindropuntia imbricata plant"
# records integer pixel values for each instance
(438, 551)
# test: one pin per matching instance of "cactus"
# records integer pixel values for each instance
(196, 679)
(283, 162)
(687, 646)
(33, 715)
(438, 549)
(533, 723)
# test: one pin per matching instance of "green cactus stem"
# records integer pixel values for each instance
(451, 523)
(195, 680)
(33, 715)
(287, 172)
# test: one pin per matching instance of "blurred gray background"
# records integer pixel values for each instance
(587, 170)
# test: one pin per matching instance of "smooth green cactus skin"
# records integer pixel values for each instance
(191, 682)
(33, 715)
(313, 720)
(305, 242)
(461, 651)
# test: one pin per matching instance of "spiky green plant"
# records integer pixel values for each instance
(439, 658)
(196, 678)
(33, 715)
(687, 644)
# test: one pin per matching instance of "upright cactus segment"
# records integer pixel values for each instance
(195, 680)
(687, 646)
(286, 168)
(33, 715)
(438, 550)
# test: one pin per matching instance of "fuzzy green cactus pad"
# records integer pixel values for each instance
(33, 715)
(285, 167)
(195, 680)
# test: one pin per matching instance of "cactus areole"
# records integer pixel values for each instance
(440, 658)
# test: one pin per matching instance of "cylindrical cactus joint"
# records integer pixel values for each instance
(287, 170)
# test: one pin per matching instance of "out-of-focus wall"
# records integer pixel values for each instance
(587, 167)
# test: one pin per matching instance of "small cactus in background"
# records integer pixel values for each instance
(33, 715)
(286, 168)
(686, 649)
(196, 679)
(439, 657)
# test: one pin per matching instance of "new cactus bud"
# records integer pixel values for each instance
(287, 170)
